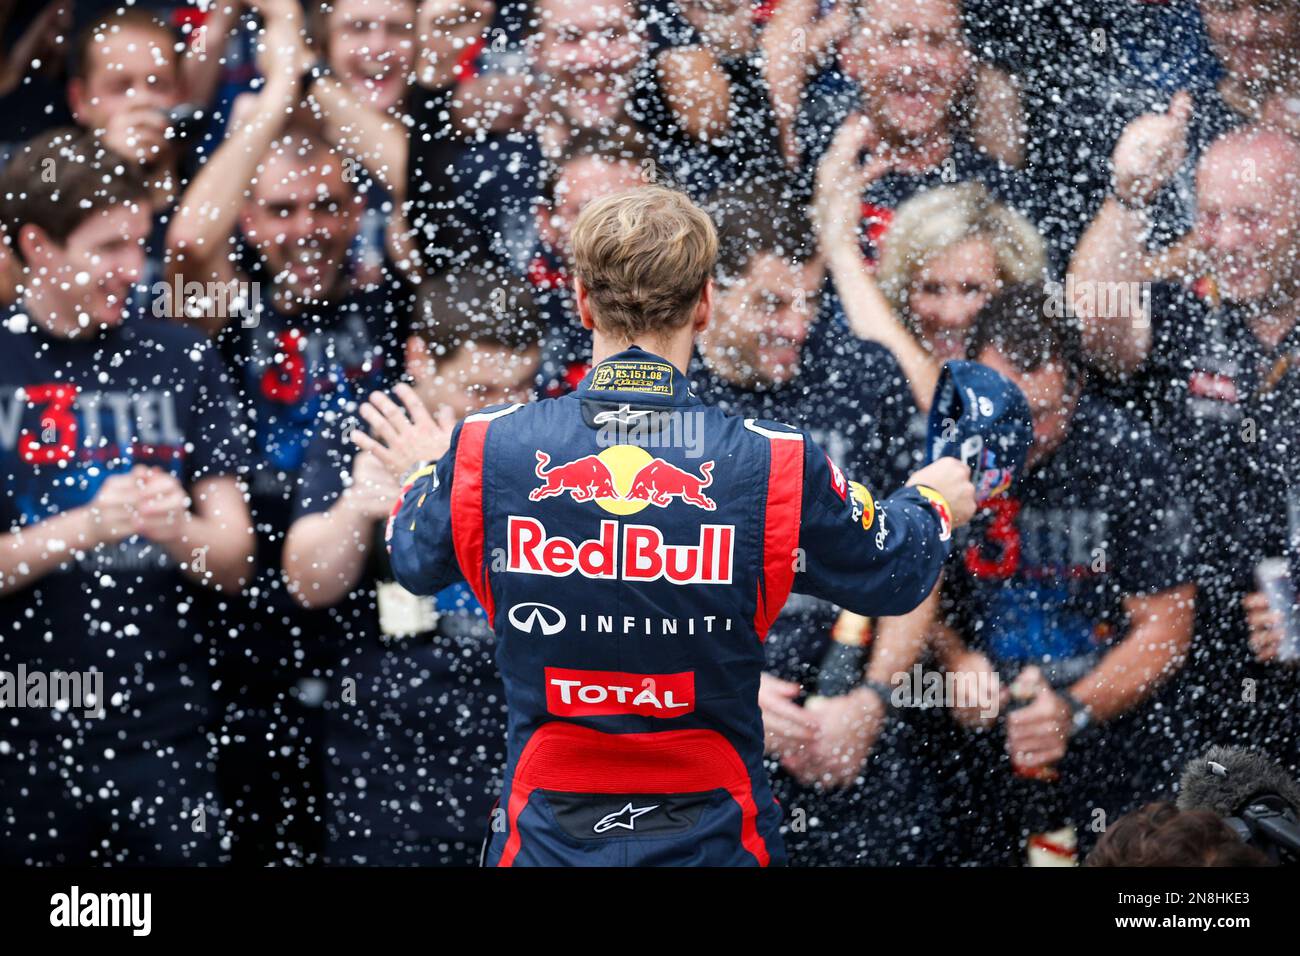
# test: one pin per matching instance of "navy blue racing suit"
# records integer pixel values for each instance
(631, 546)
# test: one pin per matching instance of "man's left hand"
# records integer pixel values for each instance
(1037, 733)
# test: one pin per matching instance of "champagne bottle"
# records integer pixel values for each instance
(845, 663)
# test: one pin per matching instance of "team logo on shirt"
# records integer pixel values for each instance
(629, 552)
(864, 506)
(583, 693)
(941, 510)
(838, 484)
(623, 479)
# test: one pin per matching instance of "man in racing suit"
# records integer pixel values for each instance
(631, 546)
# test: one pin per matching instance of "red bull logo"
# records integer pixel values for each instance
(629, 552)
(623, 479)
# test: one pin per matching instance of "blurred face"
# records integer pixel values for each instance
(910, 58)
(947, 292)
(477, 374)
(302, 217)
(87, 280)
(581, 181)
(372, 48)
(762, 319)
(1256, 40)
(1051, 400)
(588, 51)
(1248, 218)
(129, 69)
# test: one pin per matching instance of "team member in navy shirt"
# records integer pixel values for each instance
(118, 454)
(1073, 592)
(415, 727)
(1212, 364)
(834, 752)
(271, 218)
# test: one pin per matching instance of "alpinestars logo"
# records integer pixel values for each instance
(624, 819)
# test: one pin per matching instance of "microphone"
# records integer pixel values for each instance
(1253, 795)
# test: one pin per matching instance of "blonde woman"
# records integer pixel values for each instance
(948, 251)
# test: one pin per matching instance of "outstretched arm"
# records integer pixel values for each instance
(878, 558)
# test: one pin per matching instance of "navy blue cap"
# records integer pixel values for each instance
(982, 418)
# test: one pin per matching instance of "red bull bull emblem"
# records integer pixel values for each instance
(622, 480)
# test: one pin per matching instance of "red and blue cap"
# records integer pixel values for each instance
(982, 418)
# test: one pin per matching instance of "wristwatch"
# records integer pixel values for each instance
(884, 692)
(1080, 715)
(311, 74)
(1132, 205)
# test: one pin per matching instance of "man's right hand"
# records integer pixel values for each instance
(950, 478)
(373, 490)
(138, 133)
(282, 53)
(788, 729)
(1152, 148)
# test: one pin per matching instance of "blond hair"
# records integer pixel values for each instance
(644, 256)
(937, 219)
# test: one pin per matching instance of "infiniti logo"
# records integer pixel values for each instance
(546, 619)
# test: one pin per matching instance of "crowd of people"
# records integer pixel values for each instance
(227, 222)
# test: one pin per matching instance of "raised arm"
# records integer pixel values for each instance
(201, 65)
(796, 43)
(1147, 155)
(878, 557)
(198, 239)
(841, 180)
(376, 139)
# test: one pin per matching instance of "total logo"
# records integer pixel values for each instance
(584, 693)
(623, 479)
(640, 555)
